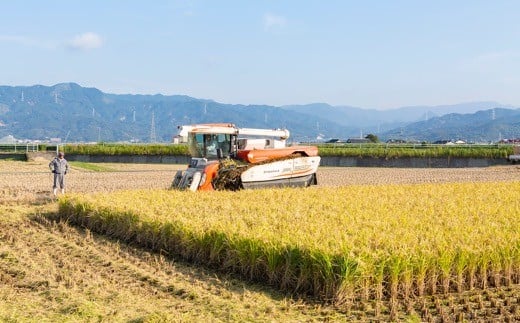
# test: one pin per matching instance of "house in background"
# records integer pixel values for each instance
(358, 141)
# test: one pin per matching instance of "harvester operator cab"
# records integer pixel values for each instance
(210, 146)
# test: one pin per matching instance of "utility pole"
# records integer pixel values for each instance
(153, 137)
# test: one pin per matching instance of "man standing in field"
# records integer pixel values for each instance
(59, 167)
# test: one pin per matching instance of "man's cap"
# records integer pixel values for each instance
(60, 154)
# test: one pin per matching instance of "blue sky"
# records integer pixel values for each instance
(370, 54)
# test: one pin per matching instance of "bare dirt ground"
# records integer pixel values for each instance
(338, 176)
(50, 271)
(33, 180)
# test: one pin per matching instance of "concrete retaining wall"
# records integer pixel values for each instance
(39, 155)
(447, 162)
(12, 156)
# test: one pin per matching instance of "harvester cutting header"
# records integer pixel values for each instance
(225, 157)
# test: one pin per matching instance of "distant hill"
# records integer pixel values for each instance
(483, 126)
(79, 114)
(74, 113)
(358, 120)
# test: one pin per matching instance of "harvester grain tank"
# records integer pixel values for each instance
(225, 157)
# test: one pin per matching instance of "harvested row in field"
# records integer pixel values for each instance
(383, 242)
(32, 181)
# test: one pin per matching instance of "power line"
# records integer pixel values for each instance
(153, 136)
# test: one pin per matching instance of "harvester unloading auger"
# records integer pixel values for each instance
(225, 157)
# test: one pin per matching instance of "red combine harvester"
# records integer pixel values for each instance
(225, 157)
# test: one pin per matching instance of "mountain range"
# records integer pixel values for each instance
(471, 122)
(78, 114)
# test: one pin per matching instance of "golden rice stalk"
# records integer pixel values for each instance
(336, 243)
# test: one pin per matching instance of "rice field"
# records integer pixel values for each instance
(21, 181)
(382, 242)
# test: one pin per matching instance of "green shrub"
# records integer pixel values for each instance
(126, 149)
(419, 151)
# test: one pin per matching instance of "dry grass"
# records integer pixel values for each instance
(52, 272)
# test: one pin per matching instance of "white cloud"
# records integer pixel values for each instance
(273, 21)
(86, 41)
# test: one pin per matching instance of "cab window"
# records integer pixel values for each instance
(206, 145)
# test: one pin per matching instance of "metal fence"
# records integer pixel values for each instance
(18, 148)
